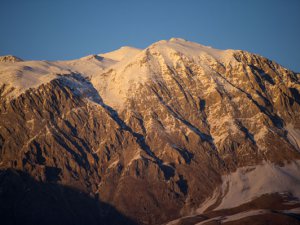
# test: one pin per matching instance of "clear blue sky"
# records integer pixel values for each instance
(68, 29)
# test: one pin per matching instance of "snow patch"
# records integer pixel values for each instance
(248, 183)
(235, 217)
(242, 215)
(208, 202)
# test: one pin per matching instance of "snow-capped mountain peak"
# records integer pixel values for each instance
(172, 130)
(121, 53)
(191, 49)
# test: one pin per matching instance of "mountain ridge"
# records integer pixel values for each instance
(159, 134)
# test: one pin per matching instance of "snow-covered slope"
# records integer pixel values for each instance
(22, 75)
(121, 54)
(248, 183)
(117, 74)
(122, 80)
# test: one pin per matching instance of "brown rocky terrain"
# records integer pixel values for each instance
(154, 134)
(10, 58)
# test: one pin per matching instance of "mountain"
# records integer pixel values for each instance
(176, 133)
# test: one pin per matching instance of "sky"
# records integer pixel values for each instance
(70, 29)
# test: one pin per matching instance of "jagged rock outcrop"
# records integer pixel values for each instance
(152, 132)
(10, 58)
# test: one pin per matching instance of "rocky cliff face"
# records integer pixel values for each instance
(10, 58)
(158, 133)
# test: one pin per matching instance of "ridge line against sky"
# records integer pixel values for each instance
(70, 29)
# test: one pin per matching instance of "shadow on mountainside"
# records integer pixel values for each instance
(93, 95)
(23, 200)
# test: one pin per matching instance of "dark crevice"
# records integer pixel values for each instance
(182, 184)
(185, 154)
(295, 94)
(202, 105)
(263, 75)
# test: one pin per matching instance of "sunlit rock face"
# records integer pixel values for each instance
(10, 58)
(158, 133)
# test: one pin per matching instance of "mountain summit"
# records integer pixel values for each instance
(176, 132)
